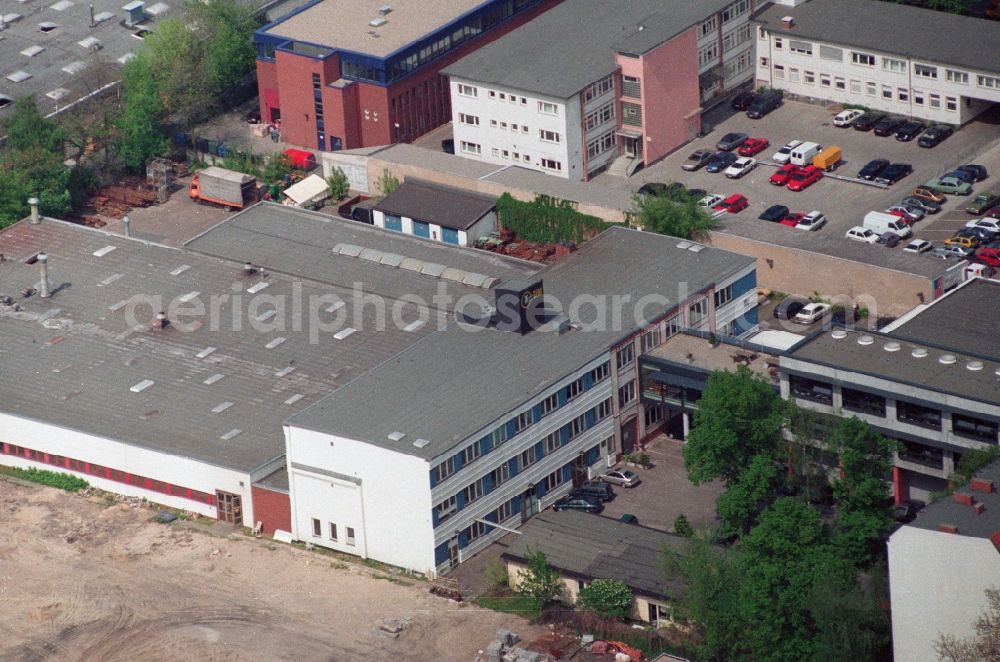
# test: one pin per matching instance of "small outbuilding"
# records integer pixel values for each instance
(436, 212)
(310, 192)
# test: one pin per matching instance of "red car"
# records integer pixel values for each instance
(993, 213)
(989, 256)
(793, 219)
(895, 212)
(805, 177)
(784, 173)
(753, 146)
(733, 204)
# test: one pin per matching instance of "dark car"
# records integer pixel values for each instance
(888, 239)
(888, 125)
(873, 168)
(843, 316)
(578, 503)
(594, 490)
(984, 235)
(906, 511)
(628, 518)
(720, 162)
(978, 172)
(743, 100)
(909, 130)
(658, 188)
(927, 206)
(774, 213)
(867, 121)
(763, 104)
(731, 141)
(960, 175)
(789, 307)
(894, 173)
(935, 135)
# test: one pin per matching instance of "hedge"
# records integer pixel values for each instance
(547, 220)
(50, 478)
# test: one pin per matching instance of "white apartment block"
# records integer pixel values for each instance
(882, 56)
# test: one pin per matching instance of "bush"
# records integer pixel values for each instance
(51, 478)
(540, 580)
(386, 183)
(496, 577)
(547, 220)
(610, 598)
(682, 527)
(338, 183)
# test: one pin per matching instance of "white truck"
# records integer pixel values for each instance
(880, 222)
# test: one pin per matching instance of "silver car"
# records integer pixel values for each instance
(697, 159)
(622, 477)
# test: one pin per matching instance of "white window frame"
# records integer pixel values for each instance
(468, 90)
(925, 71)
(548, 108)
(863, 59)
(551, 164)
(469, 120)
(471, 148)
(959, 77)
(548, 136)
(893, 65)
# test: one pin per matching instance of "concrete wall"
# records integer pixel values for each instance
(273, 509)
(936, 583)
(482, 228)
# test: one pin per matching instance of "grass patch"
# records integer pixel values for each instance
(51, 478)
(522, 605)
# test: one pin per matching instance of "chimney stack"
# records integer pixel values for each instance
(43, 261)
(249, 269)
(161, 321)
(35, 218)
(126, 221)
(787, 22)
(92, 14)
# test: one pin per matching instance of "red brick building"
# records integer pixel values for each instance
(341, 74)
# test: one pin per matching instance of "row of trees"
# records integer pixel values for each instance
(800, 583)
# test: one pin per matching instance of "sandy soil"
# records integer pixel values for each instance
(81, 581)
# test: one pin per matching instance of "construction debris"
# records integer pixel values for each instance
(391, 628)
(506, 242)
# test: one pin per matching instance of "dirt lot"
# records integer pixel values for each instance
(83, 581)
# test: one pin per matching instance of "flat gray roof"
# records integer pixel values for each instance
(442, 205)
(345, 24)
(573, 44)
(897, 29)
(595, 547)
(219, 394)
(968, 521)
(962, 375)
(493, 372)
(966, 319)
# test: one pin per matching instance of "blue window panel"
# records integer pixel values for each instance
(434, 518)
(485, 445)
(336, 144)
(564, 435)
(562, 397)
(589, 418)
(463, 538)
(587, 381)
(320, 140)
(591, 458)
(512, 464)
(536, 413)
(433, 478)
(511, 429)
(449, 235)
(421, 229)
(487, 484)
(567, 472)
(515, 504)
(745, 284)
(460, 500)
(441, 553)
(394, 223)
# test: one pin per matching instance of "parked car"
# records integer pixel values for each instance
(993, 213)
(629, 518)
(740, 167)
(793, 219)
(894, 173)
(622, 477)
(960, 175)
(753, 146)
(988, 255)
(710, 200)
(888, 239)
(846, 117)
(984, 235)
(763, 104)
(812, 312)
(731, 141)
(594, 490)
(868, 120)
(950, 185)
(814, 220)
(969, 241)
(928, 206)
(743, 100)
(934, 135)
(577, 503)
(988, 223)
(907, 511)
(658, 188)
(907, 131)
(887, 125)
(804, 178)
(774, 213)
(858, 233)
(946, 252)
(978, 172)
(910, 214)
(929, 193)
(785, 153)
(720, 162)
(918, 246)
(982, 202)
(789, 307)
(733, 204)
(783, 174)
(697, 193)
(697, 159)
(873, 168)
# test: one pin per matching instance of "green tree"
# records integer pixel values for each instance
(984, 645)
(495, 574)
(739, 416)
(611, 598)
(386, 183)
(539, 580)
(682, 526)
(174, 59)
(748, 494)
(276, 167)
(225, 28)
(27, 128)
(138, 137)
(33, 172)
(338, 183)
(664, 215)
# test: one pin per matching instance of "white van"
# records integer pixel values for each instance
(804, 153)
(880, 222)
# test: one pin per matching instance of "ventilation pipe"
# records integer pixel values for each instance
(92, 14)
(35, 218)
(44, 291)
(127, 223)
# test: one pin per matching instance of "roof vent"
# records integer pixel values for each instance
(891, 346)
(974, 366)
(787, 22)
(18, 76)
(838, 334)
(918, 352)
(377, 22)
(684, 245)
(396, 436)
(866, 339)
(947, 359)
(420, 443)
(696, 248)
(385, 9)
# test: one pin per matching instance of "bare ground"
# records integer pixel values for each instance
(80, 581)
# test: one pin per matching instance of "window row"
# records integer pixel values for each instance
(599, 146)
(332, 533)
(507, 154)
(599, 88)
(595, 118)
(117, 475)
(500, 124)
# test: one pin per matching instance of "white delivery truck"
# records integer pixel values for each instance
(804, 153)
(880, 222)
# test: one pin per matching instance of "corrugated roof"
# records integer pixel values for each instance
(441, 205)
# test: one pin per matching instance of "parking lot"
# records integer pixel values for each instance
(844, 202)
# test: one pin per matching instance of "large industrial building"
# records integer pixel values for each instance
(342, 74)
(592, 81)
(279, 390)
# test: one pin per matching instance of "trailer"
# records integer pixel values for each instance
(234, 190)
